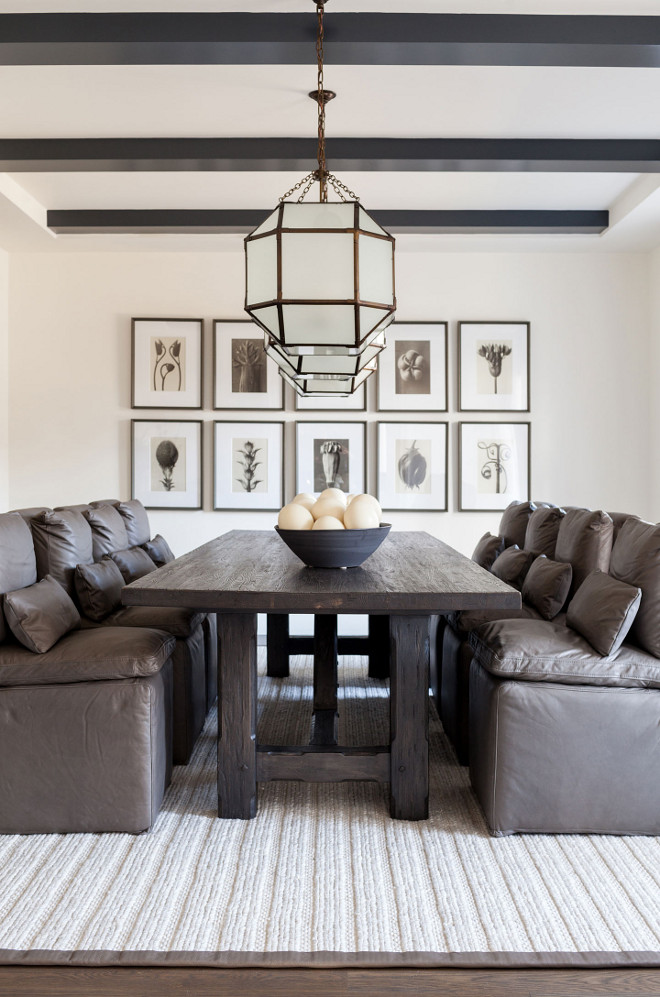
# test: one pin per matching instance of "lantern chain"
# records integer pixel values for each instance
(321, 173)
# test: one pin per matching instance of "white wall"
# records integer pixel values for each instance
(4, 379)
(591, 377)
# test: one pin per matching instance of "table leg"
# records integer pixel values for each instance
(324, 722)
(379, 647)
(237, 715)
(409, 717)
(277, 645)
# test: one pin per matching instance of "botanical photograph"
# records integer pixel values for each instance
(166, 363)
(493, 366)
(166, 463)
(330, 455)
(412, 465)
(412, 371)
(493, 464)
(248, 465)
(243, 376)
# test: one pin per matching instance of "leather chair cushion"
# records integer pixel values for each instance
(108, 530)
(584, 540)
(62, 540)
(513, 524)
(99, 502)
(636, 560)
(512, 565)
(539, 651)
(18, 566)
(133, 563)
(547, 585)
(487, 550)
(469, 619)
(159, 551)
(136, 522)
(40, 614)
(603, 610)
(176, 621)
(619, 518)
(102, 653)
(99, 588)
(542, 529)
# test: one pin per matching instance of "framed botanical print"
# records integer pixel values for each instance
(166, 463)
(243, 376)
(412, 465)
(412, 370)
(166, 362)
(330, 455)
(493, 366)
(248, 465)
(493, 464)
(351, 403)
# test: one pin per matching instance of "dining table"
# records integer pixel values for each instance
(410, 580)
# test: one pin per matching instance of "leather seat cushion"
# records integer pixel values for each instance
(547, 585)
(512, 565)
(584, 541)
(159, 551)
(540, 651)
(178, 622)
(603, 610)
(469, 619)
(542, 529)
(513, 524)
(87, 655)
(62, 540)
(136, 522)
(18, 566)
(133, 563)
(108, 530)
(99, 588)
(636, 560)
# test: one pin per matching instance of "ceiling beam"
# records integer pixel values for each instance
(350, 39)
(370, 154)
(242, 221)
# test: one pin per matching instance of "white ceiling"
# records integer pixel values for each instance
(124, 101)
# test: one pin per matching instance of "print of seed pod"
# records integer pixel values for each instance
(167, 455)
(412, 467)
(331, 451)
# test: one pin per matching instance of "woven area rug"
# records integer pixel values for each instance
(324, 877)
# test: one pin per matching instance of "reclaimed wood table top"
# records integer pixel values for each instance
(254, 571)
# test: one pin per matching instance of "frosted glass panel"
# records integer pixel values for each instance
(317, 215)
(268, 223)
(369, 324)
(376, 272)
(261, 270)
(269, 318)
(368, 224)
(329, 365)
(280, 357)
(309, 324)
(317, 266)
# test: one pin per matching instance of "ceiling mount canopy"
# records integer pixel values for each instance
(320, 277)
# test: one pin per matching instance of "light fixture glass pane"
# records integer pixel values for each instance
(370, 319)
(278, 355)
(261, 270)
(367, 223)
(320, 325)
(269, 318)
(317, 266)
(315, 214)
(268, 223)
(376, 270)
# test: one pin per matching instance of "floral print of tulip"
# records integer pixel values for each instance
(331, 451)
(493, 354)
(167, 455)
(175, 352)
(162, 365)
(249, 465)
(160, 350)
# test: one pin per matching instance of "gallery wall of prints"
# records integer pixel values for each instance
(393, 437)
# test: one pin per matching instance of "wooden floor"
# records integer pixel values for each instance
(65, 982)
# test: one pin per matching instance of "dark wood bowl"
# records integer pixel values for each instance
(334, 548)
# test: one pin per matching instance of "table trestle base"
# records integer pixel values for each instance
(316, 763)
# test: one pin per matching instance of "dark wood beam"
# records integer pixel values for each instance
(242, 221)
(360, 154)
(351, 39)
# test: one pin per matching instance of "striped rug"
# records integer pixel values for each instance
(323, 876)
